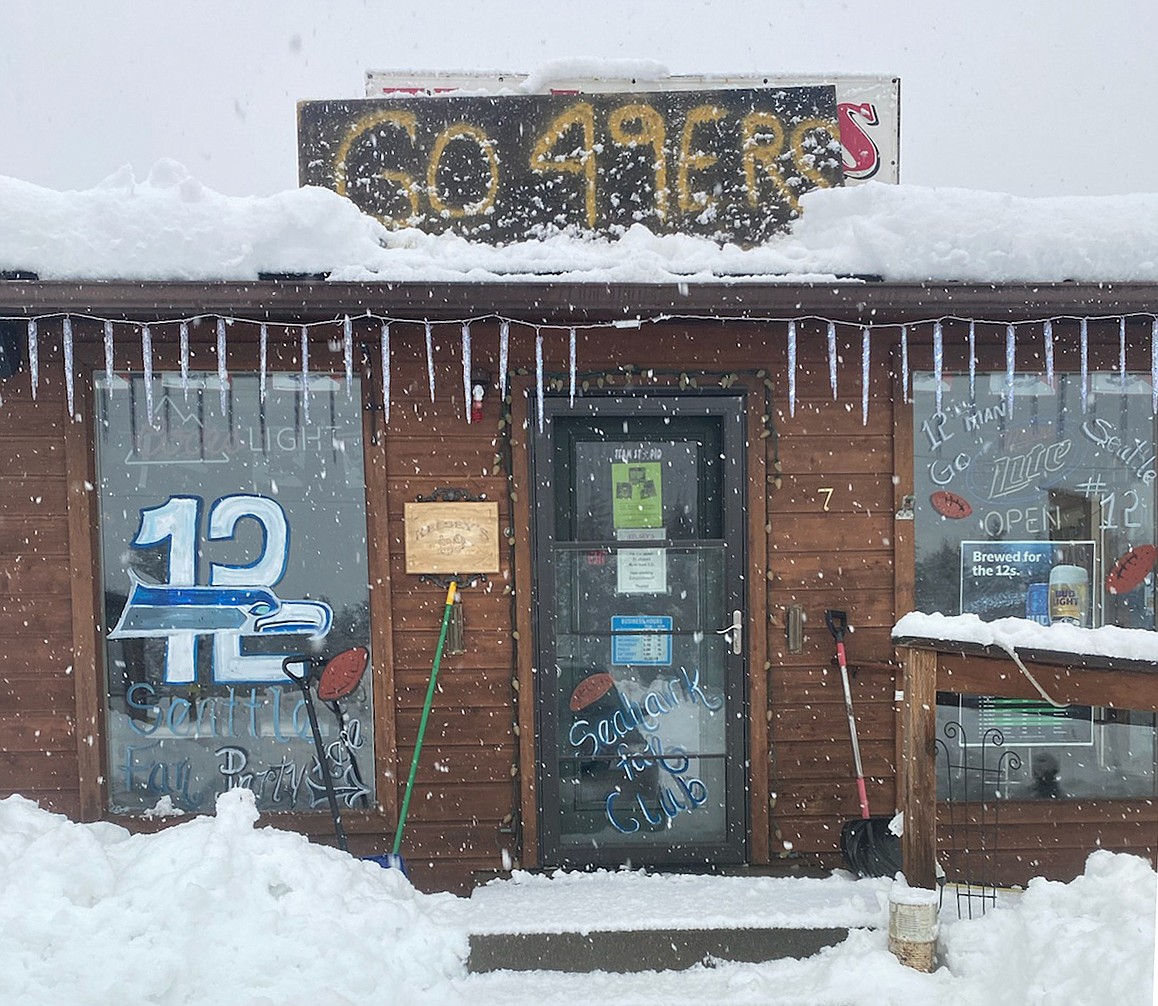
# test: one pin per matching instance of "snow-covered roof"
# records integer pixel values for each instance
(171, 227)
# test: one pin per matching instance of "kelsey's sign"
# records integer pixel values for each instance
(730, 165)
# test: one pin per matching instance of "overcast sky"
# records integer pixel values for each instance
(1031, 98)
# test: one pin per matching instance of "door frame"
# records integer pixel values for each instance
(731, 407)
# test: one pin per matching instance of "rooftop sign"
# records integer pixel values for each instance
(868, 106)
(729, 165)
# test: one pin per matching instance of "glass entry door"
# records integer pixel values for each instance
(640, 616)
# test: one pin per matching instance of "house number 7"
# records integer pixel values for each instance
(826, 492)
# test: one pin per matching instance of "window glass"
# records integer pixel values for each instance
(1029, 750)
(232, 530)
(1036, 500)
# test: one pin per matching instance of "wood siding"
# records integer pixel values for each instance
(824, 485)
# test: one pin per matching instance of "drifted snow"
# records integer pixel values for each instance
(171, 227)
(216, 910)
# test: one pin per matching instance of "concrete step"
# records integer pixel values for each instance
(624, 951)
(628, 921)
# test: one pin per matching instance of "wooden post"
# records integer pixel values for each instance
(919, 802)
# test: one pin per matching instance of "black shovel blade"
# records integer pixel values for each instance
(869, 848)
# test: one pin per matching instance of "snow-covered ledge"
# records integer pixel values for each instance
(1106, 647)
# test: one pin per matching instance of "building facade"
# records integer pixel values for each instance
(679, 479)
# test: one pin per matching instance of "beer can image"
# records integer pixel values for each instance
(1069, 595)
(1037, 603)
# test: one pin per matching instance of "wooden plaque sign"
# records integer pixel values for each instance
(729, 165)
(452, 537)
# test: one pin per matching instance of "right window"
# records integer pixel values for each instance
(1035, 499)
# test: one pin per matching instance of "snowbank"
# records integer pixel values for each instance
(214, 910)
(211, 911)
(171, 227)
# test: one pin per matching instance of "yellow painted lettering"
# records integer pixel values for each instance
(641, 125)
(695, 160)
(462, 131)
(399, 179)
(762, 143)
(812, 141)
(579, 161)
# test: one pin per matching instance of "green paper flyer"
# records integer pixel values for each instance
(637, 491)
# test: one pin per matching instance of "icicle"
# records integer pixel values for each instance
(1122, 349)
(792, 368)
(572, 365)
(183, 351)
(905, 363)
(504, 355)
(938, 360)
(430, 359)
(263, 358)
(305, 375)
(1047, 334)
(66, 348)
(864, 376)
(33, 356)
(1085, 338)
(109, 356)
(832, 357)
(386, 372)
(466, 396)
(539, 375)
(972, 361)
(348, 354)
(1154, 365)
(147, 363)
(222, 370)
(1010, 366)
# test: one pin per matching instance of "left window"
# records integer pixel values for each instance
(232, 535)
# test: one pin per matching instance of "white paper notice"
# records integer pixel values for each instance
(641, 570)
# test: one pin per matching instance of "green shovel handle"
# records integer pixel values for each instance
(425, 715)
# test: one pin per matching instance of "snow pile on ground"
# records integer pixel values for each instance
(215, 911)
(171, 227)
(1089, 937)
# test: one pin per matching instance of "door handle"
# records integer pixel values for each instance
(734, 632)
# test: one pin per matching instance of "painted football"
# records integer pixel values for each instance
(950, 505)
(1130, 570)
(342, 674)
(593, 687)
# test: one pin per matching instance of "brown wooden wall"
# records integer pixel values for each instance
(38, 744)
(830, 545)
(822, 535)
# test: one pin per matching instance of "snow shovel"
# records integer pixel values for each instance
(393, 859)
(339, 677)
(868, 847)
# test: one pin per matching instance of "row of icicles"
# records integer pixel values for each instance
(504, 336)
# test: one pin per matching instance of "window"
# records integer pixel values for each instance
(1045, 753)
(232, 534)
(1036, 501)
